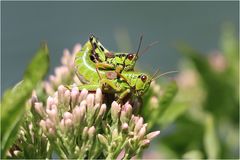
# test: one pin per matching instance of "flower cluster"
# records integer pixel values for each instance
(63, 74)
(79, 125)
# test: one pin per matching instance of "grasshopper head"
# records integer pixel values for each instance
(142, 84)
(130, 61)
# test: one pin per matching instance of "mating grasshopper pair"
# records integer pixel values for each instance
(97, 67)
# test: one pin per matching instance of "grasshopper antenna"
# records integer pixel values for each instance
(147, 48)
(156, 72)
(170, 72)
(139, 45)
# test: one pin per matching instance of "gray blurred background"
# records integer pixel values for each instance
(62, 24)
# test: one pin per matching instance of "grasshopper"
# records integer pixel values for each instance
(133, 84)
(94, 51)
(96, 69)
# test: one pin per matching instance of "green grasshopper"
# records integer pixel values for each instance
(133, 84)
(94, 51)
(93, 55)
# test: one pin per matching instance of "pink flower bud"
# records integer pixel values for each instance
(124, 126)
(52, 115)
(52, 79)
(98, 96)
(115, 110)
(78, 114)
(83, 95)
(76, 48)
(91, 132)
(152, 135)
(48, 87)
(142, 132)
(145, 143)
(39, 108)
(49, 123)
(68, 123)
(102, 110)
(51, 131)
(66, 55)
(61, 91)
(126, 113)
(85, 133)
(138, 125)
(96, 108)
(74, 97)
(34, 98)
(67, 115)
(50, 101)
(103, 140)
(67, 97)
(114, 133)
(90, 100)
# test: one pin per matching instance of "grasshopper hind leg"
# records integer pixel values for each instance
(89, 87)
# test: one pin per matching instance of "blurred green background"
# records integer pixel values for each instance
(62, 24)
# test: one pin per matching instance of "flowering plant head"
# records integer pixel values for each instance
(78, 124)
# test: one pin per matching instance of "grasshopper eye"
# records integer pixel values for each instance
(143, 78)
(130, 56)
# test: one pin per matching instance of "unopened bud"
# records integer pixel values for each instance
(76, 48)
(145, 143)
(126, 113)
(83, 95)
(52, 115)
(68, 123)
(74, 96)
(67, 115)
(102, 111)
(103, 140)
(61, 91)
(67, 97)
(98, 96)
(49, 123)
(85, 133)
(39, 108)
(90, 100)
(115, 109)
(78, 114)
(91, 132)
(124, 127)
(115, 134)
(142, 132)
(51, 131)
(152, 135)
(50, 101)
(138, 125)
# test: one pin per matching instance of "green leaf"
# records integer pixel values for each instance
(193, 154)
(169, 94)
(13, 101)
(211, 143)
(172, 112)
(39, 65)
(165, 100)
